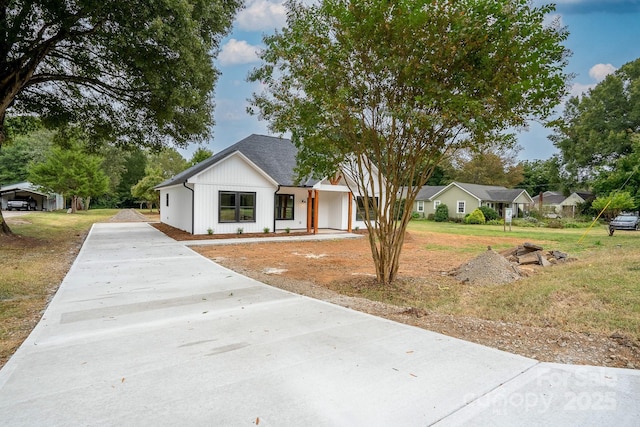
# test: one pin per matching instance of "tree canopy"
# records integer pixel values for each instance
(200, 155)
(598, 128)
(388, 89)
(491, 168)
(144, 190)
(71, 172)
(130, 72)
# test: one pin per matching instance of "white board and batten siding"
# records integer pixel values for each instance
(224, 177)
(175, 207)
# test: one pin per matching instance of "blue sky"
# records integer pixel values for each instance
(604, 35)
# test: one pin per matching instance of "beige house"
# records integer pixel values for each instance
(462, 199)
(554, 204)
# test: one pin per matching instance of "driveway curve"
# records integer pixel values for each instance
(144, 331)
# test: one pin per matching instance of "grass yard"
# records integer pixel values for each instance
(32, 266)
(599, 292)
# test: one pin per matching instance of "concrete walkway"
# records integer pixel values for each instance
(145, 332)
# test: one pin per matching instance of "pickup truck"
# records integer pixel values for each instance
(27, 205)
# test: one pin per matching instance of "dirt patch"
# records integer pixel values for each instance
(184, 236)
(341, 271)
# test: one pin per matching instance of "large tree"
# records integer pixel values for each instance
(71, 172)
(25, 149)
(387, 89)
(144, 191)
(131, 72)
(169, 161)
(598, 127)
(541, 175)
(491, 167)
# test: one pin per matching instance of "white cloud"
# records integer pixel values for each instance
(600, 71)
(578, 89)
(261, 15)
(238, 52)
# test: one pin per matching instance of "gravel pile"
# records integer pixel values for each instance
(128, 215)
(489, 268)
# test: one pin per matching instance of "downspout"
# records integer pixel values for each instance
(274, 209)
(192, 205)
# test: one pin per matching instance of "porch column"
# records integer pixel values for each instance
(309, 199)
(350, 211)
(315, 211)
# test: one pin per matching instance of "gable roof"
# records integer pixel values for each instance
(276, 157)
(550, 198)
(490, 193)
(21, 186)
(428, 191)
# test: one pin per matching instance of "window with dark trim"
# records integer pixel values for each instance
(284, 206)
(236, 206)
(360, 213)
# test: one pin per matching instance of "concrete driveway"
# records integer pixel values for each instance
(14, 214)
(144, 331)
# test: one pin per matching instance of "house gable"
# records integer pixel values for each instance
(235, 169)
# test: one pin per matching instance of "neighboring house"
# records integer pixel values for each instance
(28, 191)
(424, 197)
(250, 186)
(570, 204)
(462, 199)
(555, 204)
(549, 204)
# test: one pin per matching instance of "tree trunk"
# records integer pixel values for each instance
(4, 227)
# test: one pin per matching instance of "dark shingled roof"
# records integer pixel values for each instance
(550, 198)
(428, 191)
(275, 156)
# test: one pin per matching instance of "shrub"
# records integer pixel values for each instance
(523, 223)
(475, 217)
(489, 214)
(415, 215)
(209, 230)
(287, 230)
(555, 223)
(266, 230)
(442, 213)
(495, 222)
(431, 217)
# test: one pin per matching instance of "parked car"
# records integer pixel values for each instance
(27, 205)
(624, 222)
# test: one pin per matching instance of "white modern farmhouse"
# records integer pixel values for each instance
(250, 186)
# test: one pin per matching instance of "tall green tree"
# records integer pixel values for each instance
(135, 164)
(201, 154)
(144, 190)
(24, 149)
(541, 175)
(72, 173)
(597, 128)
(169, 161)
(490, 168)
(131, 72)
(379, 89)
(624, 175)
(614, 203)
